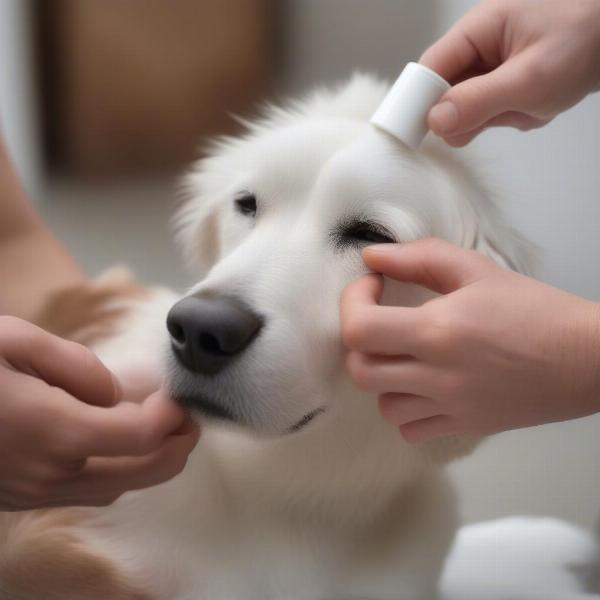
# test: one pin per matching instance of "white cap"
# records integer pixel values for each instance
(403, 112)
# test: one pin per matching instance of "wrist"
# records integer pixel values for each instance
(33, 265)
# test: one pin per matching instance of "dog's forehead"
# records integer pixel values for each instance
(373, 165)
(335, 164)
(297, 153)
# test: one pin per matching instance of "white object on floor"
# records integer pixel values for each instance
(520, 558)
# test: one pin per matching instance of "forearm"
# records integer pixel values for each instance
(33, 263)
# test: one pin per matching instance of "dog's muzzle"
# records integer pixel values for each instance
(209, 332)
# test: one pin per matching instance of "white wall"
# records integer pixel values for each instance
(18, 114)
(325, 40)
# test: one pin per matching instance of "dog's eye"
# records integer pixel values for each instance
(362, 233)
(245, 204)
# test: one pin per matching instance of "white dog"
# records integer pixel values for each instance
(298, 490)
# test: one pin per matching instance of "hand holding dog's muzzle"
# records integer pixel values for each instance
(67, 435)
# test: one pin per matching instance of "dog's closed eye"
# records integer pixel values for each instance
(245, 204)
(360, 232)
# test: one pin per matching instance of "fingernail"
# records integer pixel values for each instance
(444, 117)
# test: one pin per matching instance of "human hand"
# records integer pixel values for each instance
(65, 437)
(496, 351)
(514, 62)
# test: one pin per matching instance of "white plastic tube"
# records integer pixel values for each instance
(403, 112)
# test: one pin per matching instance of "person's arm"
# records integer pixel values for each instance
(33, 263)
(514, 62)
(69, 433)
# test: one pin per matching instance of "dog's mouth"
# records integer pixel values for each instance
(305, 420)
(207, 407)
(215, 410)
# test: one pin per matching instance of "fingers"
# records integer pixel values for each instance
(104, 480)
(381, 374)
(488, 79)
(473, 103)
(471, 44)
(58, 362)
(113, 476)
(513, 118)
(369, 291)
(371, 328)
(431, 263)
(400, 409)
(128, 429)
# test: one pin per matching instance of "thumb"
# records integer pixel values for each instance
(431, 263)
(469, 105)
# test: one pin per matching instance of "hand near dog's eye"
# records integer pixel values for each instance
(495, 351)
(65, 436)
(514, 63)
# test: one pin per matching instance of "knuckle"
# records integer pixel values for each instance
(440, 333)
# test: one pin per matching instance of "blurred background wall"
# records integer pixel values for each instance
(548, 179)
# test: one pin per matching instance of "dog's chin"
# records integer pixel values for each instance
(213, 410)
(206, 407)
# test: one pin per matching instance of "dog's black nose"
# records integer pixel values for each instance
(207, 333)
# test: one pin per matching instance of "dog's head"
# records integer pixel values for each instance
(276, 221)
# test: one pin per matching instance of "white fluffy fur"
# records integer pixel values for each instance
(343, 509)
